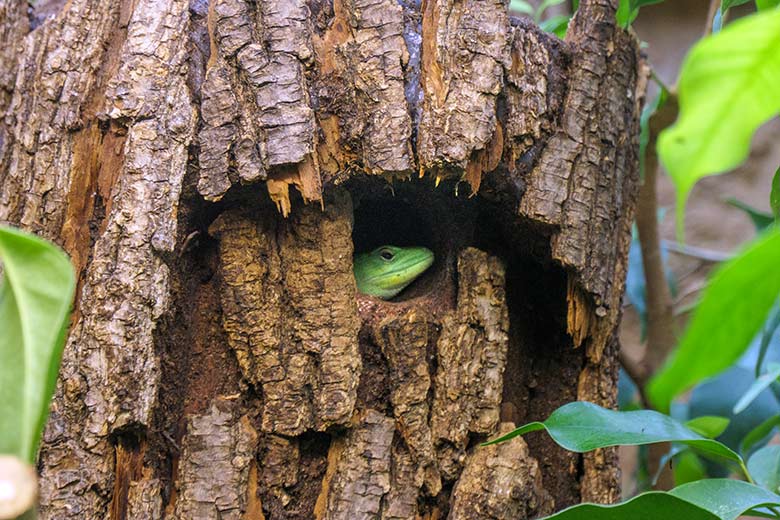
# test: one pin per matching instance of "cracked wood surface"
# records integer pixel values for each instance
(360, 470)
(507, 467)
(290, 314)
(214, 471)
(472, 351)
(152, 140)
(465, 49)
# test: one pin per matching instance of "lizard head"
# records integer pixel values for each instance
(387, 270)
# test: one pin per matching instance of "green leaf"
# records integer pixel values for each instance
(725, 321)
(647, 506)
(774, 195)
(727, 89)
(35, 296)
(625, 14)
(761, 220)
(709, 426)
(521, 6)
(628, 10)
(727, 4)
(556, 25)
(583, 426)
(768, 344)
(688, 467)
(758, 434)
(760, 384)
(642, 3)
(711, 499)
(728, 499)
(764, 467)
(718, 395)
(766, 4)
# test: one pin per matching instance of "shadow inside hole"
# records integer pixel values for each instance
(414, 214)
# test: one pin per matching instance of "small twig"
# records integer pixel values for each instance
(693, 270)
(659, 81)
(701, 253)
(693, 289)
(170, 439)
(660, 319)
(189, 241)
(685, 309)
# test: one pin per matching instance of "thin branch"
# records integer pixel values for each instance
(660, 319)
(701, 253)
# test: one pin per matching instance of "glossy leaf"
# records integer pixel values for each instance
(647, 506)
(764, 467)
(583, 426)
(725, 321)
(717, 396)
(700, 500)
(758, 386)
(757, 434)
(709, 426)
(727, 89)
(35, 296)
(726, 498)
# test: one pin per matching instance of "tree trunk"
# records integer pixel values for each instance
(220, 363)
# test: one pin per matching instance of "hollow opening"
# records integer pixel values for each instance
(543, 366)
(414, 213)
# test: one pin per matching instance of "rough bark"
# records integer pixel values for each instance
(212, 165)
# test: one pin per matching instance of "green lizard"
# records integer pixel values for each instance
(385, 271)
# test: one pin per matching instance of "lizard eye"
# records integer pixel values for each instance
(386, 254)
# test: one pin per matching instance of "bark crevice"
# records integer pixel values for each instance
(217, 323)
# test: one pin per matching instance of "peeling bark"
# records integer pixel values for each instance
(288, 316)
(501, 481)
(214, 472)
(404, 343)
(220, 363)
(472, 353)
(360, 470)
(465, 49)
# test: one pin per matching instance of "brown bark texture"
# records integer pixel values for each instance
(212, 165)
